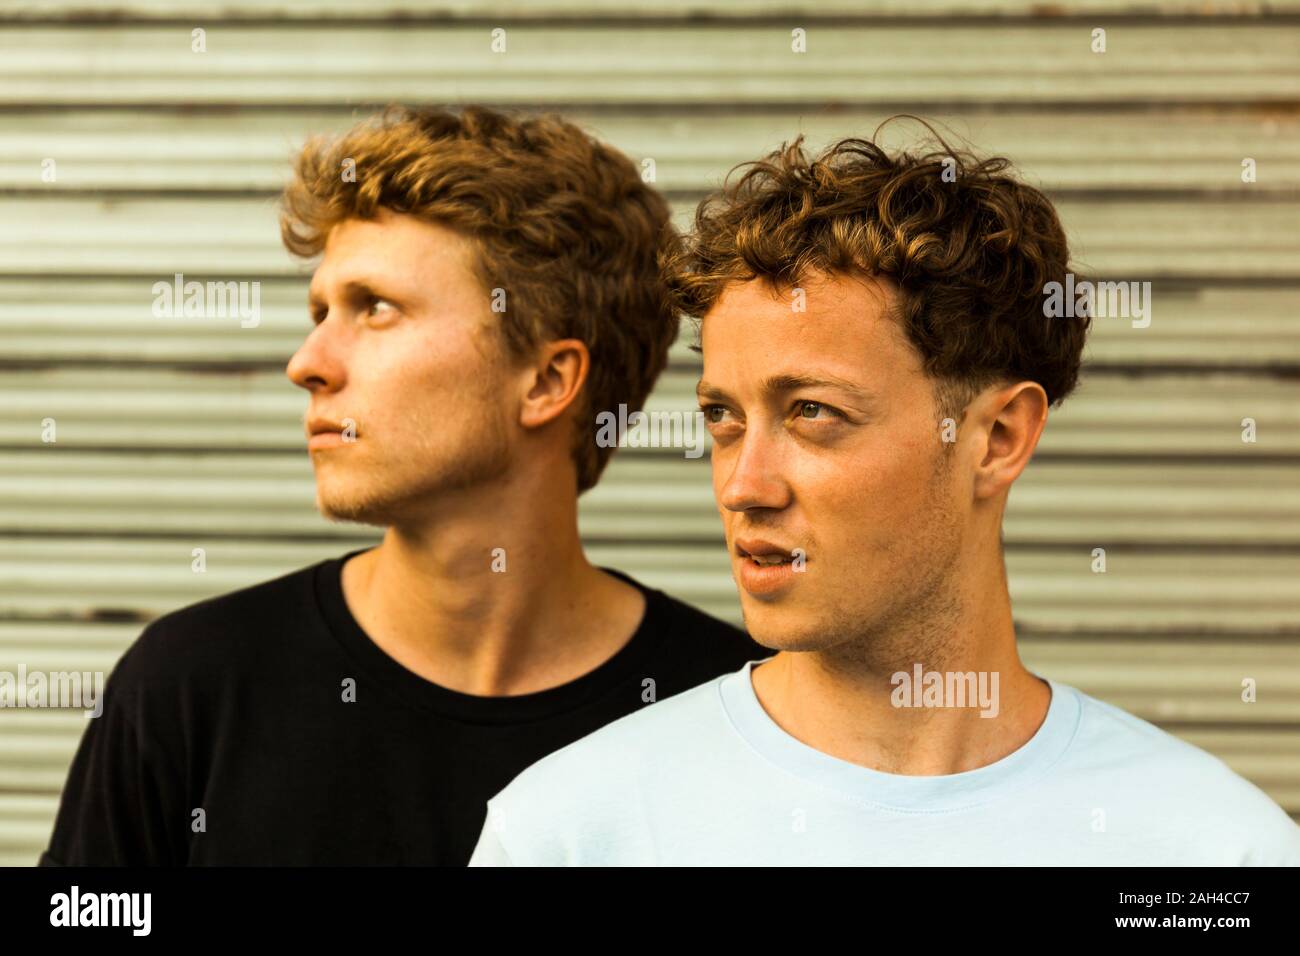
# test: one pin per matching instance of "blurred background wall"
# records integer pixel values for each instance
(183, 433)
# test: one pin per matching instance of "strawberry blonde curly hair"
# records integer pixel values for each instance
(561, 221)
(971, 253)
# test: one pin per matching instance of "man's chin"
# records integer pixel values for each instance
(352, 510)
(355, 517)
(784, 628)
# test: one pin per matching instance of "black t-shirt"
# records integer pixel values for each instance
(228, 717)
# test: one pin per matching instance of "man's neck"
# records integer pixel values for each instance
(490, 602)
(859, 713)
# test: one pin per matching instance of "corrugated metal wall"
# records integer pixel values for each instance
(183, 433)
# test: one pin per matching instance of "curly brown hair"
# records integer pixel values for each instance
(561, 221)
(971, 254)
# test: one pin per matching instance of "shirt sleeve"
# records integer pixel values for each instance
(490, 851)
(123, 803)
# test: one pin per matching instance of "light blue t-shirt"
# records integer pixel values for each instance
(708, 778)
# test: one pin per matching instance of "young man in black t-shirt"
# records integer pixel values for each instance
(488, 286)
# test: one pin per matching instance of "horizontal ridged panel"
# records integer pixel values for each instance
(632, 9)
(161, 408)
(238, 238)
(107, 319)
(1051, 588)
(249, 152)
(1157, 679)
(641, 497)
(708, 63)
(25, 822)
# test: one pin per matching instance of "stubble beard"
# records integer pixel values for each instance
(394, 492)
(918, 601)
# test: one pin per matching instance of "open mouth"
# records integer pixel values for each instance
(766, 557)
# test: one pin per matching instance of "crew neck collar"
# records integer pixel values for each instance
(336, 618)
(902, 792)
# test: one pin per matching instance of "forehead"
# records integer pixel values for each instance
(396, 250)
(838, 325)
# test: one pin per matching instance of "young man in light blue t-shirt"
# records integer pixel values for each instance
(881, 346)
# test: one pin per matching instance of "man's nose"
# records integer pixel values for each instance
(755, 477)
(315, 365)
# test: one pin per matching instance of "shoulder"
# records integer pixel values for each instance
(636, 743)
(591, 785)
(686, 614)
(211, 637)
(675, 612)
(1179, 786)
(700, 644)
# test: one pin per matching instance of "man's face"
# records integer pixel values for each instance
(404, 348)
(827, 439)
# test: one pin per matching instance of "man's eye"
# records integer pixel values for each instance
(380, 305)
(814, 409)
(713, 413)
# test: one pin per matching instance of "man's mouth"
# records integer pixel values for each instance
(763, 553)
(767, 569)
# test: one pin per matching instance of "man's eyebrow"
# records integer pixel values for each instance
(360, 287)
(793, 383)
(781, 384)
(703, 391)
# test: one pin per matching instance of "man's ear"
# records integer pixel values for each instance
(553, 381)
(1010, 419)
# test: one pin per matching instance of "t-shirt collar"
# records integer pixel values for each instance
(900, 791)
